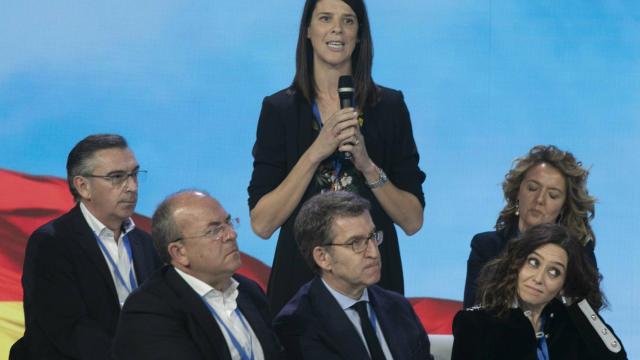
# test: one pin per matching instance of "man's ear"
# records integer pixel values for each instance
(322, 257)
(178, 253)
(82, 186)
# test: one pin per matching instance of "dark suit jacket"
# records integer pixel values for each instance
(478, 335)
(166, 319)
(70, 302)
(314, 326)
(485, 247)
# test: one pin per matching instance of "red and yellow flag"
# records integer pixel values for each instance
(27, 202)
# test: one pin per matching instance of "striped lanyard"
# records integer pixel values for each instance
(133, 284)
(234, 340)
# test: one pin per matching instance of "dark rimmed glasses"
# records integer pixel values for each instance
(118, 178)
(359, 245)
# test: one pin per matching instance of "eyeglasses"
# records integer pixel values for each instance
(216, 231)
(360, 244)
(118, 178)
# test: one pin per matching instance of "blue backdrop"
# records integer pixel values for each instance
(484, 82)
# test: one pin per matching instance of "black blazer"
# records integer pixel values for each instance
(478, 335)
(70, 302)
(166, 319)
(485, 247)
(285, 131)
(314, 326)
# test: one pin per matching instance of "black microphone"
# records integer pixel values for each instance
(345, 93)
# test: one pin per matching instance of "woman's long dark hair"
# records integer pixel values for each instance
(498, 281)
(361, 59)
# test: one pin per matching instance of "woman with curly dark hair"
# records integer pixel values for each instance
(537, 302)
(547, 185)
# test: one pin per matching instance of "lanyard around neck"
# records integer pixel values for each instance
(374, 319)
(372, 315)
(132, 279)
(234, 340)
(542, 348)
(337, 162)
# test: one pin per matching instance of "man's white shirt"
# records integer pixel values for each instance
(224, 303)
(116, 250)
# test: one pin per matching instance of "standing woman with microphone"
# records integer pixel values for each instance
(303, 135)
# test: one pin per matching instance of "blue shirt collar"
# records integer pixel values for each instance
(345, 301)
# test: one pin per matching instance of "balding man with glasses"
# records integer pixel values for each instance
(80, 267)
(341, 313)
(196, 307)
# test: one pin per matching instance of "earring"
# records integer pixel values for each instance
(567, 301)
(517, 207)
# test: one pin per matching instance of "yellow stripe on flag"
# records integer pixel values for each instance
(11, 325)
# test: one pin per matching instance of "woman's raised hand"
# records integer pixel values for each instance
(338, 129)
(356, 147)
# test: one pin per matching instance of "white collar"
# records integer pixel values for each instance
(204, 289)
(99, 228)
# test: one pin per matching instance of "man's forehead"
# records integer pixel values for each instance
(362, 217)
(352, 225)
(114, 159)
(197, 207)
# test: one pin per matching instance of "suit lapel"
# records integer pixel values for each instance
(339, 330)
(255, 319)
(386, 321)
(86, 240)
(196, 309)
(138, 254)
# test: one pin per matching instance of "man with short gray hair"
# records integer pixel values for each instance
(80, 267)
(341, 313)
(196, 307)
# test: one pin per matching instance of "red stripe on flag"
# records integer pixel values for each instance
(27, 202)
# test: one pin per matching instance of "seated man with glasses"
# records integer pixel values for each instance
(196, 307)
(341, 313)
(80, 267)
